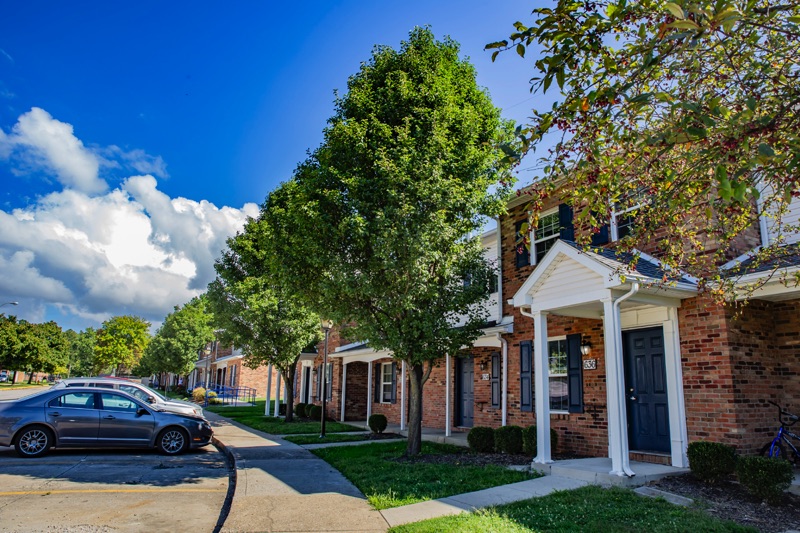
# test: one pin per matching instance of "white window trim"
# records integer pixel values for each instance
(532, 236)
(549, 374)
(383, 382)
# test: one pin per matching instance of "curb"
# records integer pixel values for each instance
(232, 478)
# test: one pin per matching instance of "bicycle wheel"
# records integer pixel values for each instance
(777, 451)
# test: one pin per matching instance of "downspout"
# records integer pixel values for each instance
(626, 467)
(504, 386)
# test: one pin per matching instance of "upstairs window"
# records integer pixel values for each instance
(522, 253)
(547, 232)
(623, 218)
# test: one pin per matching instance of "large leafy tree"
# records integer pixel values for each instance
(256, 311)
(9, 342)
(120, 343)
(383, 217)
(175, 346)
(686, 109)
(32, 347)
(81, 352)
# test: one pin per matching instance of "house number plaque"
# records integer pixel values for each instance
(590, 364)
(485, 377)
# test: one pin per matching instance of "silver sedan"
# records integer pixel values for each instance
(90, 417)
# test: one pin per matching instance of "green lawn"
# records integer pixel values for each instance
(586, 509)
(253, 416)
(388, 483)
(23, 385)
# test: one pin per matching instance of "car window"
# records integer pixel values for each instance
(82, 400)
(115, 402)
(76, 384)
(133, 391)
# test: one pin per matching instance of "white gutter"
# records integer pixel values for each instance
(504, 386)
(620, 372)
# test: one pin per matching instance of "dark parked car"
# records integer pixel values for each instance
(91, 417)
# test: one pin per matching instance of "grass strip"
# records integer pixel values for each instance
(253, 416)
(586, 509)
(336, 437)
(386, 482)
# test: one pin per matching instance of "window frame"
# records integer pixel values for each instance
(623, 214)
(535, 240)
(383, 383)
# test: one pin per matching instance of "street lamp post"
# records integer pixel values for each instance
(9, 303)
(326, 327)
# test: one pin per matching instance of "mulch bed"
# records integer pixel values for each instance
(731, 501)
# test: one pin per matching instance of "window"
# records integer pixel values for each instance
(233, 376)
(557, 363)
(623, 219)
(328, 377)
(115, 402)
(137, 393)
(386, 382)
(74, 400)
(547, 232)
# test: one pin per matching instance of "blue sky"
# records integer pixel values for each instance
(135, 137)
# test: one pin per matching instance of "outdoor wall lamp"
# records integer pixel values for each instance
(586, 347)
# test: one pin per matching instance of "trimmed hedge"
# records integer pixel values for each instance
(529, 440)
(711, 461)
(377, 423)
(508, 439)
(314, 412)
(481, 439)
(300, 410)
(765, 478)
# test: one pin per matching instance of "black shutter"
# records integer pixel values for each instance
(319, 383)
(525, 375)
(329, 382)
(600, 237)
(495, 380)
(565, 221)
(575, 373)
(522, 252)
(394, 382)
(377, 382)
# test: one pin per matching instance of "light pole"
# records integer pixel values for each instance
(9, 303)
(326, 327)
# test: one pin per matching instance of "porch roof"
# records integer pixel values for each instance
(576, 281)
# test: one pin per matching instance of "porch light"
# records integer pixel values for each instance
(586, 347)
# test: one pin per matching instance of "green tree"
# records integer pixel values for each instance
(380, 224)
(10, 345)
(42, 347)
(120, 343)
(183, 334)
(688, 110)
(81, 352)
(256, 311)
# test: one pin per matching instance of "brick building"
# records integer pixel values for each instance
(618, 364)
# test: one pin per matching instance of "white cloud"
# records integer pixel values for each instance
(131, 250)
(41, 142)
(140, 161)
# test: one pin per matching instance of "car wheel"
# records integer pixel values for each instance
(173, 441)
(33, 441)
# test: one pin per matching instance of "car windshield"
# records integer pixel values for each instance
(156, 393)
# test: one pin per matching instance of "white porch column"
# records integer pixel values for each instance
(447, 423)
(615, 391)
(541, 388)
(504, 385)
(269, 389)
(344, 387)
(403, 396)
(277, 393)
(369, 389)
(677, 409)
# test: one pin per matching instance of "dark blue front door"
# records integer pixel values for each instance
(465, 391)
(646, 390)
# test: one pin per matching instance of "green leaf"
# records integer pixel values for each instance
(521, 50)
(684, 25)
(675, 10)
(698, 133)
(751, 103)
(766, 150)
(560, 78)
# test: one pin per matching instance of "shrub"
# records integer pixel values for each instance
(508, 439)
(765, 478)
(481, 439)
(199, 394)
(711, 461)
(529, 437)
(300, 410)
(314, 412)
(212, 394)
(377, 423)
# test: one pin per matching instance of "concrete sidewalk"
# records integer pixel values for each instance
(282, 487)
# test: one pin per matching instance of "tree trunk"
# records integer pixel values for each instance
(288, 380)
(30, 378)
(415, 410)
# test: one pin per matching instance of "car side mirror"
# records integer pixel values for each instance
(142, 411)
(150, 399)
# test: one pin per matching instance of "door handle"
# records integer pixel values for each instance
(632, 398)
(109, 417)
(55, 414)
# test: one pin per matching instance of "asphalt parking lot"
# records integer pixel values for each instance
(111, 490)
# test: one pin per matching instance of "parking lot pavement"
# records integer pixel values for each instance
(114, 491)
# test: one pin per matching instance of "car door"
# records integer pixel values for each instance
(123, 421)
(74, 417)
